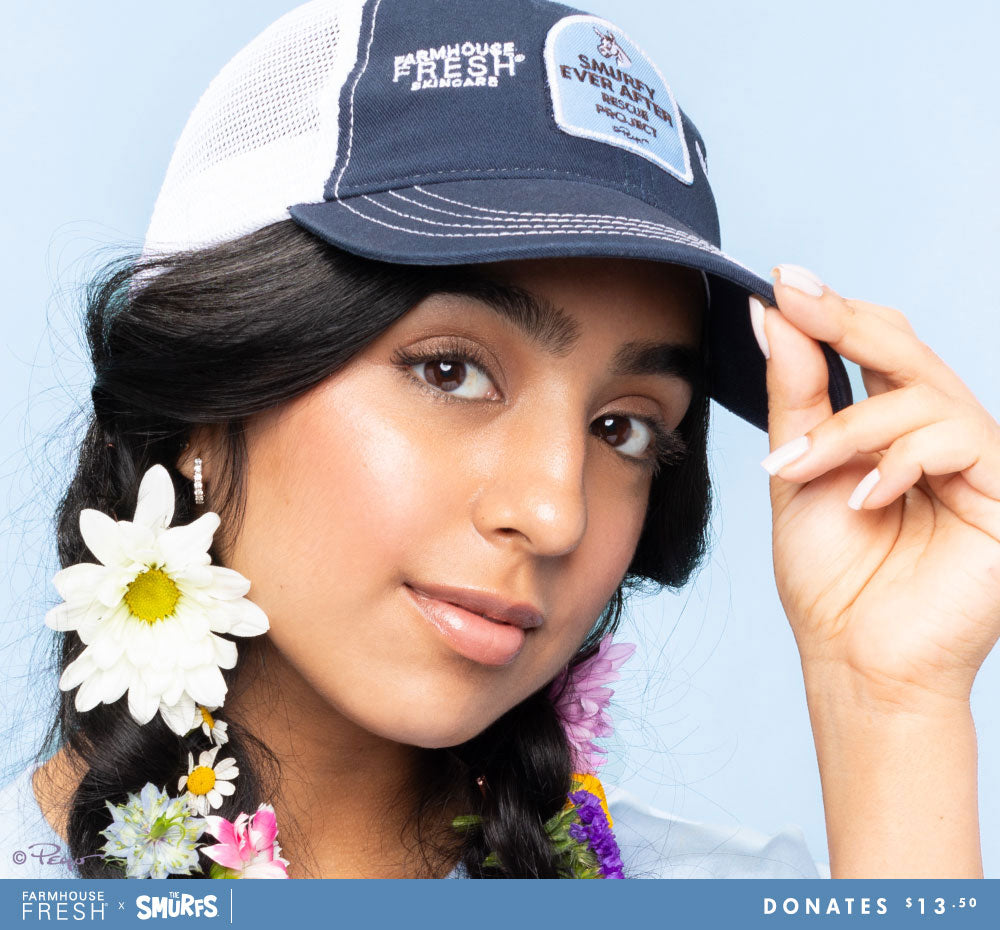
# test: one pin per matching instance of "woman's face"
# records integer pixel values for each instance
(521, 471)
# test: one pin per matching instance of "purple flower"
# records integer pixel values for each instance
(593, 829)
(583, 700)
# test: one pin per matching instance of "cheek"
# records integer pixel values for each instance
(339, 489)
(613, 527)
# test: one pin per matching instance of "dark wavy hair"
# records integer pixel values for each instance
(213, 336)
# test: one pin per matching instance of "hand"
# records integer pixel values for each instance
(904, 592)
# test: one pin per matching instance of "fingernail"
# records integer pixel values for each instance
(757, 322)
(863, 489)
(800, 278)
(781, 456)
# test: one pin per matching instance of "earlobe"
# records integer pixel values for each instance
(197, 446)
(186, 460)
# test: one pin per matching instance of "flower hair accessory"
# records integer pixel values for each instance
(246, 848)
(581, 699)
(149, 615)
(150, 611)
(153, 835)
(581, 832)
(207, 782)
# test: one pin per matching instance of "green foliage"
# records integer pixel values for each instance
(576, 859)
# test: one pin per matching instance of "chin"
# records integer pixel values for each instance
(448, 720)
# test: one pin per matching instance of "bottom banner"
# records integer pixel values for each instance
(504, 905)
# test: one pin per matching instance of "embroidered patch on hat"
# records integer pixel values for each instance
(605, 88)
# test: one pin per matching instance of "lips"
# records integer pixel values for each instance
(486, 604)
(478, 625)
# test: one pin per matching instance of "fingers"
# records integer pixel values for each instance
(890, 314)
(923, 420)
(919, 430)
(870, 425)
(879, 339)
(942, 448)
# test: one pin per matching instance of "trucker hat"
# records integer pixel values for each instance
(439, 132)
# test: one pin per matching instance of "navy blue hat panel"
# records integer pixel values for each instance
(702, 200)
(446, 90)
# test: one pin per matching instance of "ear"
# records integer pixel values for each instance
(201, 444)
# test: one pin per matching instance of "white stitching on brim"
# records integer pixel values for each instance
(672, 236)
(605, 218)
(690, 238)
(472, 206)
(540, 231)
(696, 241)
(550, 225)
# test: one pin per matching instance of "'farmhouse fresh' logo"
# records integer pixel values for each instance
(607, 89)
(457, 64)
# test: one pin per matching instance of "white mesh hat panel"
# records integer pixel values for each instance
(264, 133)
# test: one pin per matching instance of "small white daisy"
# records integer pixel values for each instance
(212, 727)
(207, 782)
(150, 612)
(153, 834)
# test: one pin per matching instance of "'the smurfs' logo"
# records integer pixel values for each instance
(609, 48)
(175, 904)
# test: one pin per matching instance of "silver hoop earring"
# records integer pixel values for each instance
(199, 491)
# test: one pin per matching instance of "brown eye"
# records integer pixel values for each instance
(621, 434)
(445, 374)
(448, 374)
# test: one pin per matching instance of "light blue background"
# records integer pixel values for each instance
(857, 139)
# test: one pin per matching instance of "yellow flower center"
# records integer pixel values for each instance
(201, 780)
(207, 717)
(591, 783)
(152, 595)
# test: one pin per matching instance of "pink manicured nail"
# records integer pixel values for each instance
(800, 278)
(757, 323)
(781, 456)
(863, 489)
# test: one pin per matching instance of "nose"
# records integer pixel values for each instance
(535, 490)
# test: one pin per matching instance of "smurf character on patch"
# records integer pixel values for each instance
(610, 48)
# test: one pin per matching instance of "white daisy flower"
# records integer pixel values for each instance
(207, 782)
(150, 612)
(153, 834)
(211, 726)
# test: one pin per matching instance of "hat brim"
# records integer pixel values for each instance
(476, 221)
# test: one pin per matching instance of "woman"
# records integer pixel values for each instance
(298, 372)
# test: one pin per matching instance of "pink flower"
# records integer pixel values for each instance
(583, 701)
(248, 847)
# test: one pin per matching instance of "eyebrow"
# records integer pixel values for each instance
(556, 333)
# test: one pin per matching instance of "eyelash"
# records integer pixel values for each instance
(666, 447)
